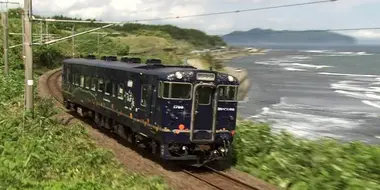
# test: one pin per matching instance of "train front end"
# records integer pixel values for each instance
(200, 109)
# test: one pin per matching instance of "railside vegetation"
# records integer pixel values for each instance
(300, 164)
(40, 153)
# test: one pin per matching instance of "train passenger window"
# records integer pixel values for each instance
(87, 83)
(108, 87)
(94, 83)
(120, 91)
(144, 95)
(228, 93)
(165, 90)
(100, 85)
(130, 83)
(73, 79)
(180, 91)
(76, 79)
(82, 81)
(68, 79)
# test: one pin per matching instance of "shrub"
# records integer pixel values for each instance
(40, 153)
(295, 163)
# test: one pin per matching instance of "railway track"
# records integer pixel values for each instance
(54, 86)
(219, 180)
(213, 178)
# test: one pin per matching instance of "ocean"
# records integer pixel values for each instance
(315, 92)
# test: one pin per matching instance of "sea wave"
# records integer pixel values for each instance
(291, 65)
(291, 117)
(325, 53)
(293, 69)
(372, 103)
(310, 65)
(346, 74)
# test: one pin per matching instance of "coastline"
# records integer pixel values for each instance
(223, 58)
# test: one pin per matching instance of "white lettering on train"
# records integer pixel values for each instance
(178, 107)
(226, 109)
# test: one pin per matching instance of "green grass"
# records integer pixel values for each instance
(300, 164)
(40, 153)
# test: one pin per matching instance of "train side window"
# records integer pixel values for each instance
(166, 90)
(87, 83)
(94, 83)
(108, 87)
(120, 91)
(144, 95)
(76, 79)
(68, 74)
(160, 88)
(176, 90)
(82, 81)
(228, 93)
(100, 85)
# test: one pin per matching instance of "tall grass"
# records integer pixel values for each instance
(40, 153)
(301, 164)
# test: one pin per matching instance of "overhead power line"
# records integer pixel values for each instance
(75, 21)
(237, 11)
(194, 15)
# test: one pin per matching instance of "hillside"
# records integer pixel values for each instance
(261, 36)
(166, 42)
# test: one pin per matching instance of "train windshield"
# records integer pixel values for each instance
(179, 91)
(228, 93)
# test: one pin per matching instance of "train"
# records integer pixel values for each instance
(178, 112)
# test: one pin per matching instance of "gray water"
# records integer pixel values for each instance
(315, 93)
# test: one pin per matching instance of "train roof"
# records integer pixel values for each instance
(162, 71)
(156, 69)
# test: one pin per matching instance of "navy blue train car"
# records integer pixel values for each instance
(178, 112)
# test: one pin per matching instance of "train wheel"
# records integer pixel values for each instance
(67, 104)
(80, 111)
(97, 120)
(131, 137)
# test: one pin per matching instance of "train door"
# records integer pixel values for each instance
(146, 100)
(66, 77)
(152, 109)
(203, 113)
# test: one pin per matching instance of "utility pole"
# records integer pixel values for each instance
(41, 32)
(47, 30)
(28, 56)
(4, 16)
(73, 32)
(98, 44)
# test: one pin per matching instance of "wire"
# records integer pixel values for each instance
(195, 15)
(236, 11)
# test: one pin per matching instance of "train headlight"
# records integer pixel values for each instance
(178, 75)
(230, 78)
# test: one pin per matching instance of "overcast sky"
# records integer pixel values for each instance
(339, 14)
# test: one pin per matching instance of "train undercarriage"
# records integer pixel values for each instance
(190, 154)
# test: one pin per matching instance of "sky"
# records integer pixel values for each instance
(331, 15)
